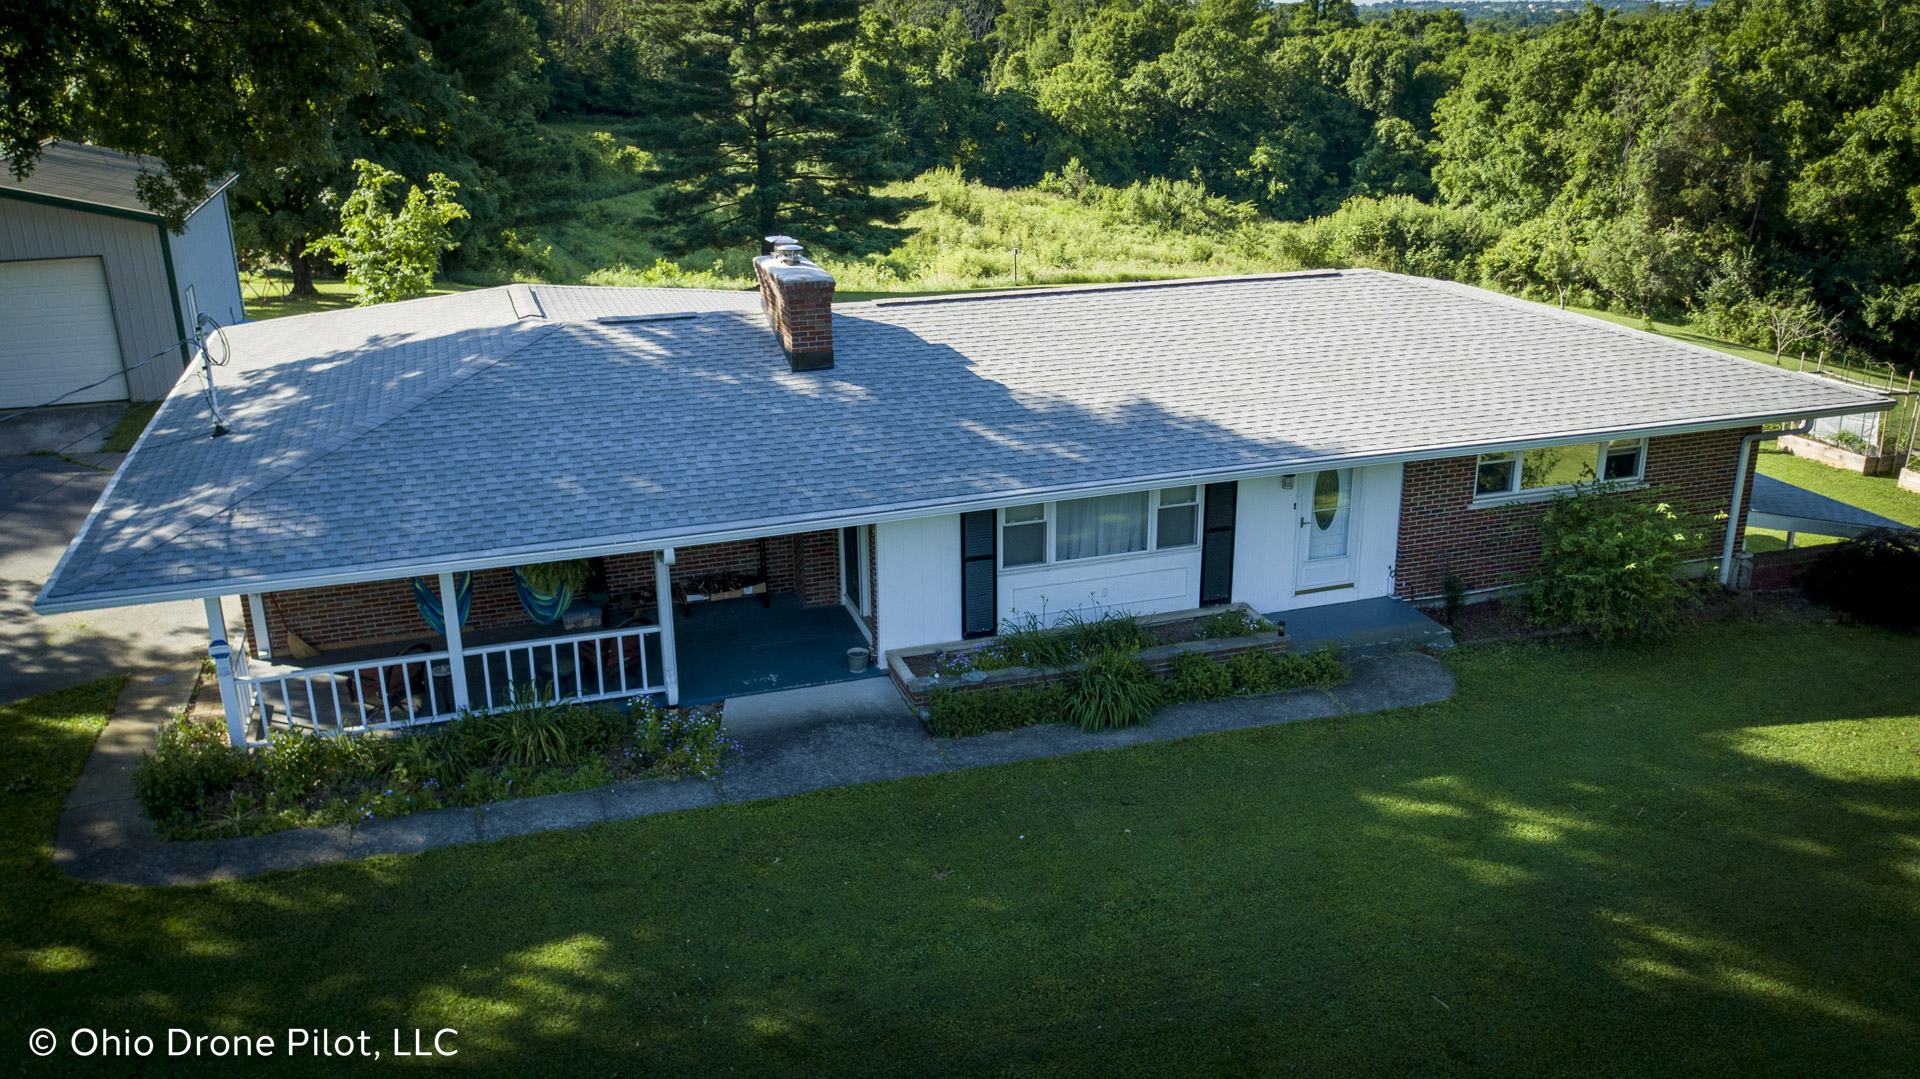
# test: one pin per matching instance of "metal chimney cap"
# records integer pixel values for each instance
(789, 252)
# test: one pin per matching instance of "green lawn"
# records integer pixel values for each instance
(1697, 859)
(266, 296)
(1875, 494)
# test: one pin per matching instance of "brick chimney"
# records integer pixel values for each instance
(798, 297)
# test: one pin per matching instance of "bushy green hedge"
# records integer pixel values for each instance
(1611, 562)
(958, 713)
(1120, 692)
(195, 786)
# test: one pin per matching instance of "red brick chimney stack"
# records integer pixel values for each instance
(798, 297)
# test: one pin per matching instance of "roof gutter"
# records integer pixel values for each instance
(1740, 490)
(600, 546)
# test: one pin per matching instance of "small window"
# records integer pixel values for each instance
(1023, 538)
(1092, 527)
(1556, 466)
(1496, 474)
(1623, 458)
(1177, 522)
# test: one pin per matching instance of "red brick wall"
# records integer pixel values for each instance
(1495, 546)
(382, 611)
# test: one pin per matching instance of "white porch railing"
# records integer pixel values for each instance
(416, 688)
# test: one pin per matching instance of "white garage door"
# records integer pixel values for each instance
(56, 333)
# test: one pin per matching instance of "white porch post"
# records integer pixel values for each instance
(262, 639)
(456, 659)
(663, 601)
(222, 654)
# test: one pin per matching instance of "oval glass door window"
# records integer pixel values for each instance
(1331, 499)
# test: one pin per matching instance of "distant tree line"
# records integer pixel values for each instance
(1754, 164)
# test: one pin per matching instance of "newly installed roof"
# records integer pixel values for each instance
(472, 430)
(89, 176)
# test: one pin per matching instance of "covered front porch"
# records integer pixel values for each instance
(657, 626)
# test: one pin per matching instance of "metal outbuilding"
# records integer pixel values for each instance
(92, 282)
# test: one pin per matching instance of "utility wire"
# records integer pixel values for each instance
(109, 378)
(204, 328)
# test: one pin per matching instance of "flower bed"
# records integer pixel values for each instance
(1115, 690)
(1031, 655)
(195, 786)
(1867, 464)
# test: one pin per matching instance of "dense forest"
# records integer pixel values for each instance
(1752, 166)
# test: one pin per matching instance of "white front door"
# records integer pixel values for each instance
(1323, 503)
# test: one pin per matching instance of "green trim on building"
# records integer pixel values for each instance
(173, 293)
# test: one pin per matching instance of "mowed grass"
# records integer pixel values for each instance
(1875, 494)
(266, 297)
(1696, 859)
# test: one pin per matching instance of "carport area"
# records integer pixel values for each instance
(1781, 506)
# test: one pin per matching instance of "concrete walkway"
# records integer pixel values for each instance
(795, 741)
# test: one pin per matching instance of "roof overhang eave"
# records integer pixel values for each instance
(774, 526)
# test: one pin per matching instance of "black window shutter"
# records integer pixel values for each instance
(979, 601)
(1216, 545)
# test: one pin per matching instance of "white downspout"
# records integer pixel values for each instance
(663, 603)
(222, 655)
(1740, 490)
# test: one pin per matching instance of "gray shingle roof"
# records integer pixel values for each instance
(93, 176)
(443, 431)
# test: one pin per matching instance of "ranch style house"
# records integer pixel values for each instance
(910, 471)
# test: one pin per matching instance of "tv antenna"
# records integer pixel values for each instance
(210, 342)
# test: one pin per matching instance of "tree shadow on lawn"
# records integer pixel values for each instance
(1697, 858)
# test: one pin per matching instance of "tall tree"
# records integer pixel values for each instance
(203, 85)
(754, 133)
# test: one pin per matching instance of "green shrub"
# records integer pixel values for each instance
(548, 578)
(1115, 690)
(1030, 641)
(1874, 577)
(1198, 678)
(1612, 563)
(1263, 672)
(190, 763)
(1455, 592)
(957, 713)
(1232, 623)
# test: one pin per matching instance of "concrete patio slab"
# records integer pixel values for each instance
(1395, 681)
(779, 761)
(1363, 627)
(62, 428)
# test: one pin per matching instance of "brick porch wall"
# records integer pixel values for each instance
(384, 611)
(1440, 532)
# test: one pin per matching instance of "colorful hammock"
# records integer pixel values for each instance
(427, 598)
(544, 607)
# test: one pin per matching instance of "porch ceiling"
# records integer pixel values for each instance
(456, 431)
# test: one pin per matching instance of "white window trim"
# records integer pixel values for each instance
(1049, 516)
(1543, 494)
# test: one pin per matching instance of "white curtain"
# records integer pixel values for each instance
(1089, 527)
